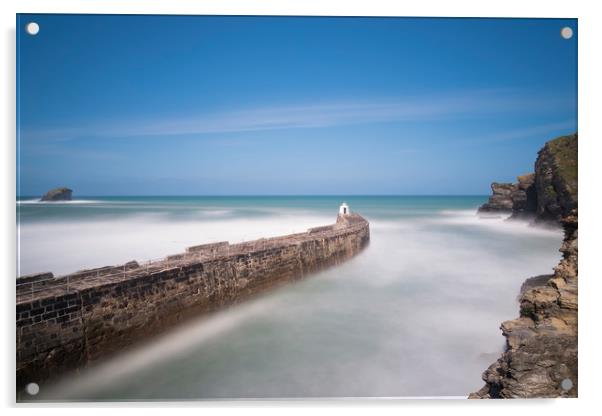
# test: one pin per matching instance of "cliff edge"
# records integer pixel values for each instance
(547, 195)
(541, 345)
(556, 179)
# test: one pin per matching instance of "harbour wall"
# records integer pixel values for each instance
(68, 322)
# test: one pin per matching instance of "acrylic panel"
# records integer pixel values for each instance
(267, 207)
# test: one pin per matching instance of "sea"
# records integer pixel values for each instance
(416, 314)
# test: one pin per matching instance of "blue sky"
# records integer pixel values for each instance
(187, 105)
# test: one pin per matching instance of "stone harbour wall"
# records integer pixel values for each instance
(68, 322)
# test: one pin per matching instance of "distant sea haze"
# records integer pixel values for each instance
(415, 314)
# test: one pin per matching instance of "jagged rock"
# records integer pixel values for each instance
(548, 194)
(556, 178)
(525, 197)
(501, 198)
(519, 198)
(525, 182)
(58, 194)
(541, 347)
(534, 282)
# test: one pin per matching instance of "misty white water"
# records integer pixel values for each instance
(415, 314)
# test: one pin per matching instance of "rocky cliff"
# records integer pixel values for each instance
(547, 195)
(518, 199)
(58, 194)
(556, 178)
(501, 199)
(541, 345)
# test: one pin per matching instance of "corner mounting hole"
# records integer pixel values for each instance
(32, 28)
(566, 384)
(32, 389)
(566, 32)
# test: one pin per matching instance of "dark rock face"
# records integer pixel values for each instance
(525, 197)
(556, 178)
(547, 195)
(541, 352)
(519, 198)
(501, 199)
(58, 194)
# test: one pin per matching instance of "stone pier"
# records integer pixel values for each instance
(67, 322)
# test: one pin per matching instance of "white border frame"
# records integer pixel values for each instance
(590, 72)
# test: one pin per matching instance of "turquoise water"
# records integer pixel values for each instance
(415, 314)
(191, 207)
(64, 237)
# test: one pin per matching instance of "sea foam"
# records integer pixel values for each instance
(416, 314)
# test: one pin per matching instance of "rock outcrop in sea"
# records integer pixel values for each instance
(518, 198)
(501, 199)
(58, 194)
(549, 194)
(541, 349)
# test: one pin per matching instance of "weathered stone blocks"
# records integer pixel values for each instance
(77, 319)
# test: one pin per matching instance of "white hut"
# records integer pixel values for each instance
(344, 209)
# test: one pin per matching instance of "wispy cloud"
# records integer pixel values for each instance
(464, 104)
(531, 131)
(55, 149)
